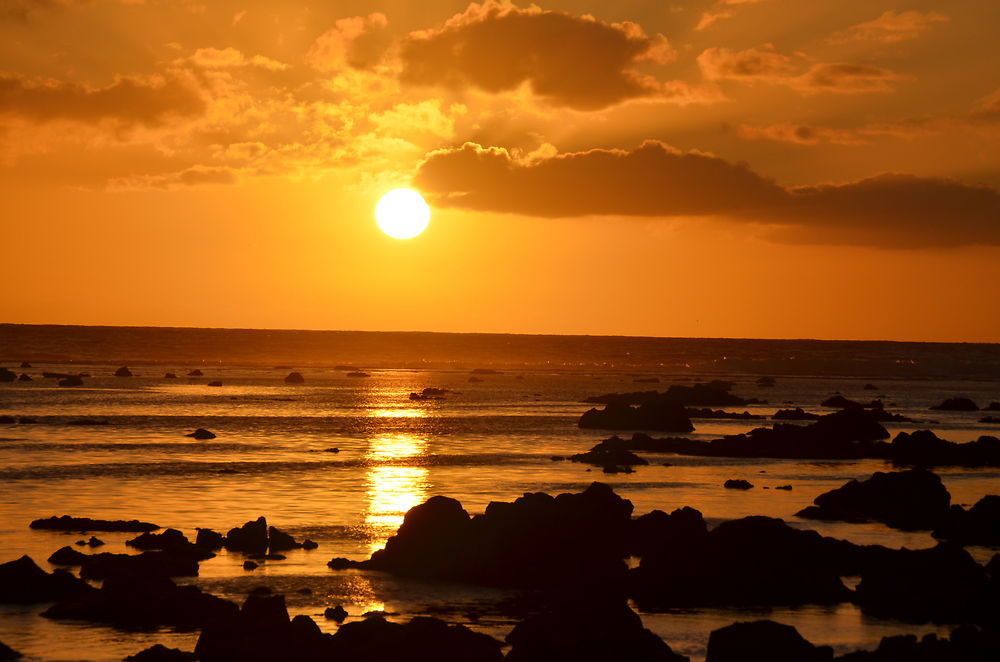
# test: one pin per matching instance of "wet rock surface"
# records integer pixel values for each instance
(67, 523)
(23, 582)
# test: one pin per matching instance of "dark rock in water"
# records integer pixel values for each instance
(67, 523)
(603, 631)
(7, 420)
(309, 544)
(608, 452)
(660, 416)
(340, 563)
(358, 373)
(7, 375)
(195, 373)
(957, 404)
(249, 565)
(763, 640)
(23, 582)
(966, 644)
(979, 525)
(201, 433)
(656, 531)
(840, 402)
(942, 584)
(990, 419)
(784, 487)
(737, 484)
(925, 449)
(209, 539)
(423, 638)
(123, 372)
(143, 601)
(914, 499)
(617, 469)
(538, 541)
(71, 381)
(337, 614)
(25, 364)
(160, 653)
(24, 377)
(429, 393)
(331, 450)
(875, 408)
(67, 556)
(695, 412)
(870, 387)
(279, 541)
(93, 542)
(170, 540)
(250, 538)
(766, 382)
(173, 563)
(8, 653)
(751, 561)
(295, 378)
(215, 383)
(714, 394)
(797, 414)
(170, 375)
(993, 406)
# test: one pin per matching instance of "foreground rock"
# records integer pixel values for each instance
(8, 653)
(979, 525)
(67, 523)
(261, 631)
(763, 640)
(143, 601)
(571, 541)
(661, 416)
(914, 499)
(587, 632)
(23, 582)
(923, 448)
(174, 563)
(966, 644)
(160, 653)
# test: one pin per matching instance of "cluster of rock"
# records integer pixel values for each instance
(429, 393)
(876, 408)
(663, 416)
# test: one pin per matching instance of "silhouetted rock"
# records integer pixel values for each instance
(57, 375)
(250, 538)
(23, 582)
(358, 373)
(7, 420)
(925, 449)
(737, 484)
(608, 453)
(766, 382)
(295, 378)
(8, 653)
(92, 542)
(215, 383)
(429, 393)
(24, 420)
(714, 394)
(571, 540)
(201, 434)
(423, 638)
(143, 601)
(660, 416)
(966, 644)
(750, 561)
(603, 631)
(656, 531)
(279, 541)
(7, 375)
(170, 540)
(979, 525)
(71, 381)
(195, 373)
(25, 364)
(340, 563)
(209, 539)
(250, 565)
(870, 387)
(309, 544)
(337, 614)
(993, 406)
(67, 523)
(941, 584)
(784, 487)
(763, 640)
(24, 377)
(160, 653)
(161, 563)
(840, 402)
(170, 375)
(990, 419)
(797, 414)
(957, 404)
(123, 372)
(695, 412)
(914, 499)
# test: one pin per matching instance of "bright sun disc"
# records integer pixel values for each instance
(402, 213)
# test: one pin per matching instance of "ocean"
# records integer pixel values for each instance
(340, 459)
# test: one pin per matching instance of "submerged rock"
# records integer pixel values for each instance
(24, 377)
(250, 538)
(713, 394)
(763, 640)
(67, 523)
(914, 499)
(209, 539)
(358, 373)
(170, 375)
(797, 414)
(215, 383)
(593, 631)
(70, 381)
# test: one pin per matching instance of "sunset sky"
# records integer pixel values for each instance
(723, 168)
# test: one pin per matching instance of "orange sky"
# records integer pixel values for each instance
(734, 168)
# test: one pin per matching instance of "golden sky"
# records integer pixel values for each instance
(724, 168)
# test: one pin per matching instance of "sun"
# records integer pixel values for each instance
(402, 213)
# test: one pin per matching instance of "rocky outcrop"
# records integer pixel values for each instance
(295, 378)
(979, 525)
(763, 640)
(7, 375)
(195, 373)
(737, 484)
(592, 631)
(714, 394)
(914, 499)
(160, 653)
(201, 434)
(7, 653)
(23, 582)
(660, 416)
(67, 523)
(123, 372)
(797, 414)
(255, 537)
(174, 563)
(72, 380)
(956, 404)
(609, 453)
(923, 448)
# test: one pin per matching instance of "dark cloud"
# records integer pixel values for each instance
(655, 180)
(578, 62)
(129, 101)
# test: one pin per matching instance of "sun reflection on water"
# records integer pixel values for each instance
(393, 490)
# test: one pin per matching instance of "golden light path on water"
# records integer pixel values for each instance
(393, 490)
